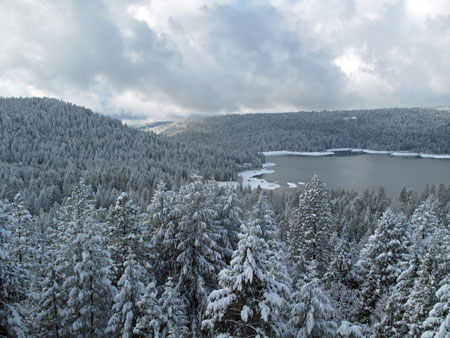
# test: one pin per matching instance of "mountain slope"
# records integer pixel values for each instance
(411, 129)
(48, 145)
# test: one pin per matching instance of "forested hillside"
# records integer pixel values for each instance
(415, 129)
(209, 262)
(109, 231)
(47, 145)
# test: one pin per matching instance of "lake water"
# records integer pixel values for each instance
(359, 172)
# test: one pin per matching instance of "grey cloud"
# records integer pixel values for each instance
(245, 57)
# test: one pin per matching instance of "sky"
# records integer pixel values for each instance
(162, 60)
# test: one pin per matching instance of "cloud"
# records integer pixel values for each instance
(162, 60)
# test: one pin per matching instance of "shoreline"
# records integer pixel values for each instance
(333, 151)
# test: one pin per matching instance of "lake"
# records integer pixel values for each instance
(359, 172)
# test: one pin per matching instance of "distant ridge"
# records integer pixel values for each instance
(419, 130)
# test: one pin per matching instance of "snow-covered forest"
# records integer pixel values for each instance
(47, 145)
(408, 129)
(109, 231)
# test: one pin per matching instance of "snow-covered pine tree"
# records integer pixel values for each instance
(423, 295)
(340, 264)
(393, 324)
(424, 224)
(24, 248)
(311, 312)
(11, 280)
(438, 322)
(247, 303)
(337, 283)
(150, 316)
(199, 253)
(230, 218)
(86, 290)
(123, 233)
(159, 209)
(385, 249)
(47, 321)
(173, 320)
(380, 261)
(161, 229)
(310, 227)
(263, 214)
(131, 290)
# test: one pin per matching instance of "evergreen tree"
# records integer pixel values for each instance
(131, 289)
(12, 293)
(311, 313)
(247, 303)
(150, 315)
(47, 321)
(86, 288)
(161, 233)
(393, 323)
(310, 227)
(380, 261)
(422, 297)
(24, 247)
(199, 253)
(230, 218)
(424, 224)
(123, 233)
(338, 284)
(438, 322)
(173, 322)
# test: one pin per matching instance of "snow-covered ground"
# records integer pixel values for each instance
(298, 153)
(333, 151)
(249, 180)
(291, 185)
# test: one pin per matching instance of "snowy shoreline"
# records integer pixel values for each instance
(249, 180)
(331, 152)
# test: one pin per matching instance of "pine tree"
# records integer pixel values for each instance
(173, 320)
(12, 276)
(338, 283)
(86, 288)
(393, 323)
(161, 232)
(123, 233)
(311, 313)
(150, 315)
(125, 309)
(47, 321)
(438, 322)
(310, 227)
(24, 249)
(422, 297)
(230, 218)
(199, 253)
(248, 303)
(380, 260)
(424, 224)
